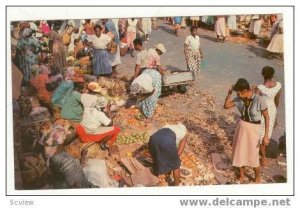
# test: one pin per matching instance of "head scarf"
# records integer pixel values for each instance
(68, 73)
(44, 27)
(44, 70)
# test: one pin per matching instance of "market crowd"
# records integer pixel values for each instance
(69, 71)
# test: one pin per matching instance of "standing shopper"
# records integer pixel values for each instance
(58, 50)
(146, 27)
(220, 28)
(192, 51)
(276, 44)
(115, 56)
(101, 58)
(195, 21)
(131, 33)
(231, 23)
(245, 150)
(154, 23)
(27, 57)
(177, 23)
(255, 25)
(270, 90)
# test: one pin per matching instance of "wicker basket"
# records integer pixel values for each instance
(32, 177)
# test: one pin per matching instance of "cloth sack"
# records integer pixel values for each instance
(95, 172)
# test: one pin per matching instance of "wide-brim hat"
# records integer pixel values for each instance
(94, 87)
(161, 47)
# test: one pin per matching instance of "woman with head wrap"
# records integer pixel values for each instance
(72, 108)
(65, 87)
(28, 48)
(165, 146)
(39, 80)
(96, 124)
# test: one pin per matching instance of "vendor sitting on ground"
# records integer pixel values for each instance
(64, 171)
(96, 124)
(65, 87)
(153, 57)
(141, 63)
(164, 152)
(72, 108)
(147, 87)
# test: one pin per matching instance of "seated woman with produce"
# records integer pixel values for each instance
(96, 126)
(72, 108)
(147, 86)
(164, 152)
(65, 87)
(64, 170)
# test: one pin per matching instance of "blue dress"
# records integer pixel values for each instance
(28, 58)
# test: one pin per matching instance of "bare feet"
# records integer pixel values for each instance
(264, 162)
(257, 180)
(241, 179)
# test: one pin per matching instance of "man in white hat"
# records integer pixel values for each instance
(153, 57)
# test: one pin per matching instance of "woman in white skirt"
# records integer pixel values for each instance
(195, 21)
(276, 44)
(231, 23)
(246, 143)
(220, 28)
(270, 90)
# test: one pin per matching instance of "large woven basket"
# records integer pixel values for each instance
(32, 177)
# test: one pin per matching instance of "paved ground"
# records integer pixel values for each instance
(223, 64)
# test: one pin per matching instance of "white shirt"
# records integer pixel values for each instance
(93, 120)
(132, 25)
(87, 100)
(193, 42)
(141, 58)
(179, 130)
(99, 42)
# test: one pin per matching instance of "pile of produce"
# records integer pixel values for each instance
(199, 174)
(133, 138)
(80, 70)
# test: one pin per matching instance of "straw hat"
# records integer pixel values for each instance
(94, 87)
(161, 47)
